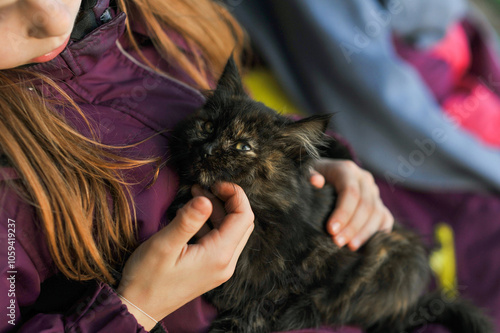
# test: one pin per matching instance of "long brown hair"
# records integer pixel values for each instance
(70, 178)
(209, 30)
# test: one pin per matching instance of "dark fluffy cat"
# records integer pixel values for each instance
(291, 275)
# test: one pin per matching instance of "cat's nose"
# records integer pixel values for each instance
(208, 149)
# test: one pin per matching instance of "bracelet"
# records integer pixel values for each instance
(135, 306)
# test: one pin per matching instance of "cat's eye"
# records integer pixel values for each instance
(243, 146)
(208, 127)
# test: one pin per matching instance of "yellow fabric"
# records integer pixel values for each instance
(443, 261)
(263, 87)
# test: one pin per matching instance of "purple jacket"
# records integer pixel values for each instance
(128, 102)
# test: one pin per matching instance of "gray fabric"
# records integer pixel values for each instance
(337, 56)
(424, 22)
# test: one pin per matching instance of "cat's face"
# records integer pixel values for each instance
(233, 138)
(226, 144)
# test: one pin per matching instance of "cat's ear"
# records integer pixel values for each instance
(305, 137)
(230, 80)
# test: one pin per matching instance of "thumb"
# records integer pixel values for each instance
(187, 223)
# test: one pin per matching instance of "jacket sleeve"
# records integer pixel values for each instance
(25, 264)
(337, 56)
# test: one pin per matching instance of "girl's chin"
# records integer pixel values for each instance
(52, 54)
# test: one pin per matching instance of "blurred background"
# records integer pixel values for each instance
(491, 8)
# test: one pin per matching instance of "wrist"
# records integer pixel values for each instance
(147, 321)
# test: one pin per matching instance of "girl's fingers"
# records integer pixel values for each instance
(185, 225)
(197, 191)
(239, 218)
(347, 202)
(362, 214)
(387, 220)
(317, 180)
(367, 230)
(218, 211)
(205, 229)
(241, 246)
(359, 212)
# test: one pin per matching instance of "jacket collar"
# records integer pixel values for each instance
(90, 38)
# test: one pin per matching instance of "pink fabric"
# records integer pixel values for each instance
(454, 49)
(475, 108)
(466, 100)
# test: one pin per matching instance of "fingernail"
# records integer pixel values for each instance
(355, 243)
(340, 241)
(336, 227)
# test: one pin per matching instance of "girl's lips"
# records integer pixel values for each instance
(52, 54)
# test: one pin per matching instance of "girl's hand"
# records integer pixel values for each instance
(165, 272)
(359, 211)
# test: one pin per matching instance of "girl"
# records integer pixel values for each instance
(88, 92)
